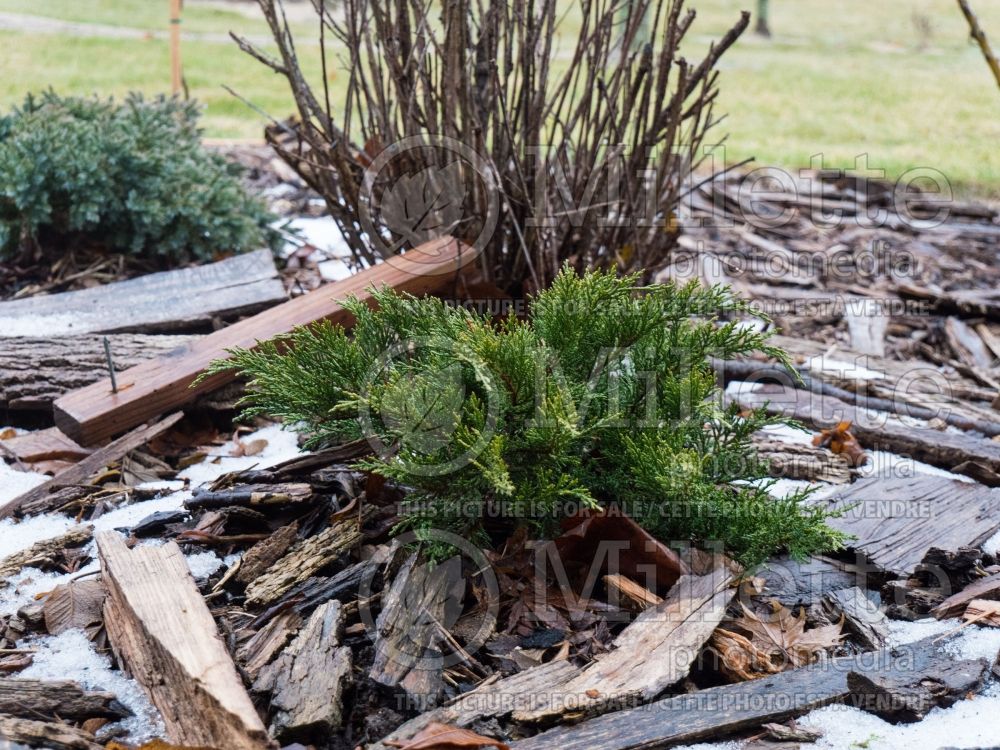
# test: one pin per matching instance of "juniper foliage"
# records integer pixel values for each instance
(128, 177)
(604, 395)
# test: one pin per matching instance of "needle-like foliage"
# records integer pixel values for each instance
(604, 395)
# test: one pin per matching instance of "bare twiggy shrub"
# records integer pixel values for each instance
(587, 151)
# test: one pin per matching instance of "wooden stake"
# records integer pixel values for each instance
(176, 78)
(980, 36)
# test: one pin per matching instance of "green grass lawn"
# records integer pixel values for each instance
(838, 78)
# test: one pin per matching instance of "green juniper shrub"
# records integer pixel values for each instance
(605, 395)
(128, 177)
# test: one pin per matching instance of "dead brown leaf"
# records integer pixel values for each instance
(839, 440)
(437, 736)
(783, 637)
(248, 448)
(75, 605)
(154, 745)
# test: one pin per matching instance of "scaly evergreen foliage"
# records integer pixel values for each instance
(130, 177)
(604, 395)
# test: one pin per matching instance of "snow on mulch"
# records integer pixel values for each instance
(71, 656)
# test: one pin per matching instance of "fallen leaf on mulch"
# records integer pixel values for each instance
(772, 644)
(437, 736)
(79, 604)
(153, 745)
(839, 440)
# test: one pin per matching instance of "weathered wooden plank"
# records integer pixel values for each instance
(163, 633)
(31, 699)
(165, 301)
(87, 466)
(152, 388)
(307, 680)
(44, 735)
(34, 372)
(874, 430)
(651, 654)
(898, 519)
(716, 712)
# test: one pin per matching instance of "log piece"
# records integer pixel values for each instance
(43, 554)
(307, 680)
(34, 372)
(31, 699)
(93, 413)
(251, 496)
(719, 711)
(494, 698)
(44, 445)
(37, 497)
(874, 430)
(44, 735)
(163, 633)
(166, 301)
(902, 695)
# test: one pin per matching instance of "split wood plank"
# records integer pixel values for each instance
(874, 430)
(26, 733)
(34, 372)
(85, 468)
(954, 605)
(716, 712)
(166, 301)
(162, 632)
(45, 445)
(31, 699)
(306, 558)
(306, 682)
(651, 654)
(152, 388)
(794, 582)
(897, 520)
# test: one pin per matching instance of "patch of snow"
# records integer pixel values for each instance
(322, 233)
(14, 483)
(71, 655)
(282, 445)
(23, 587)
(963, 725)
(788, 434)
(822, 363)
(18, 536)
(975, 642)
(992, 545)
(902, 632)
(890, 465)
(204, 564)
